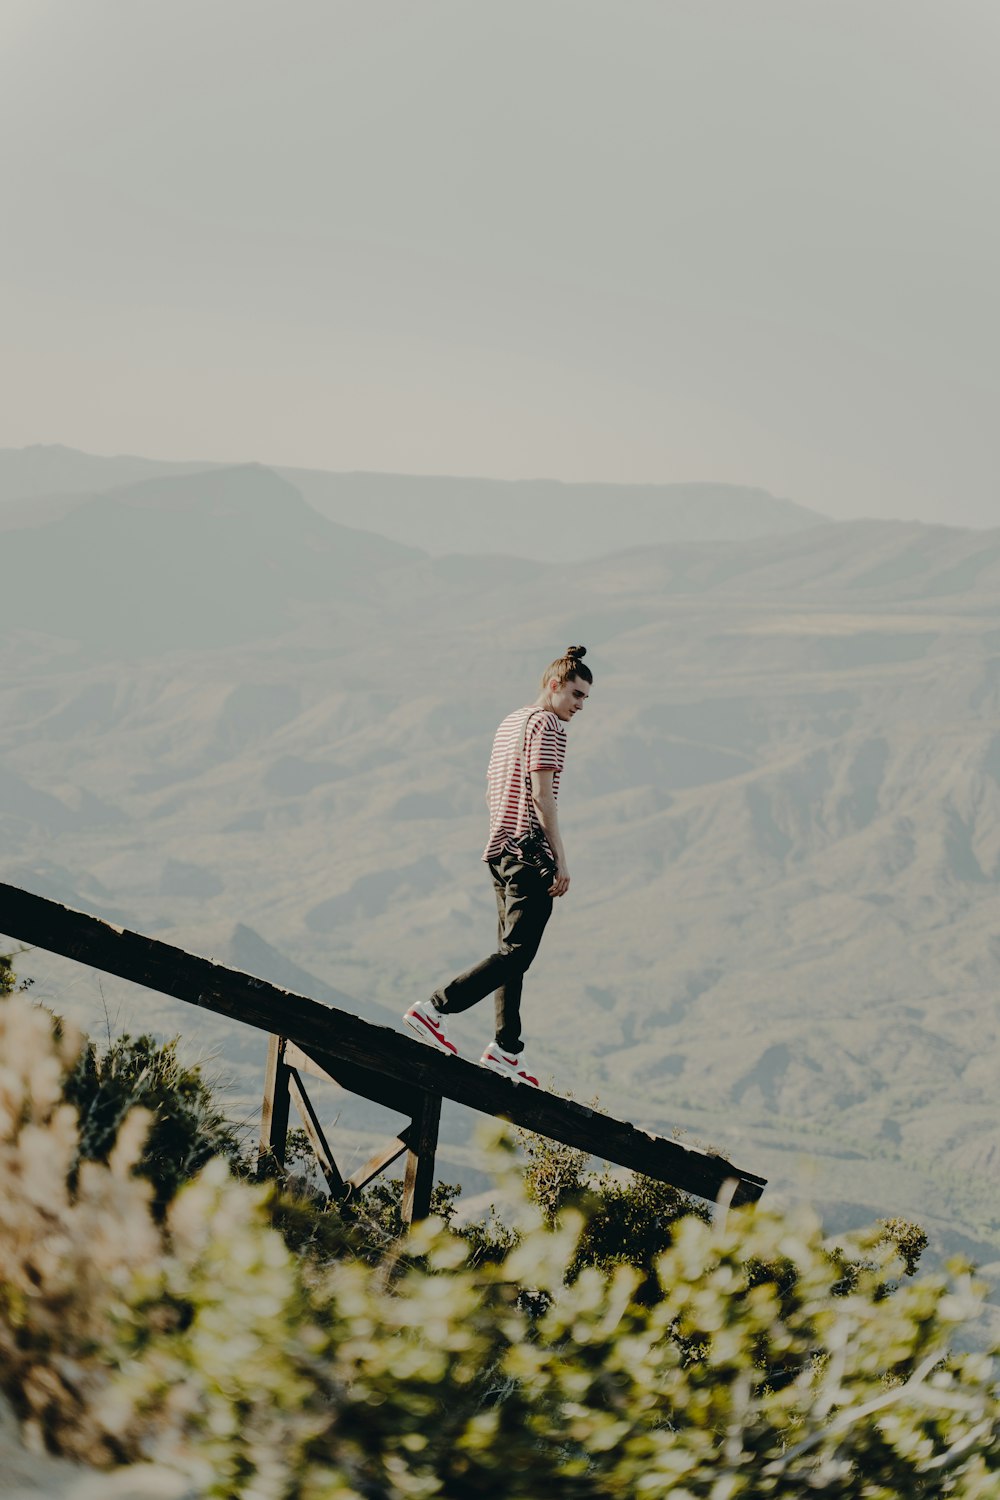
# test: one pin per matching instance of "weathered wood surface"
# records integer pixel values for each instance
(377, 1164)
(418, 1179)
(374, 1061)
(274, 1114)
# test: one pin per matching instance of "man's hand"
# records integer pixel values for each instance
(560, 885)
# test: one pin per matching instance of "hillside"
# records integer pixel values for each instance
(782, 806)
(444, 515)
(193, 561)
(53, 469)
(543, 518)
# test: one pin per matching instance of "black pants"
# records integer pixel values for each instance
(523, 908)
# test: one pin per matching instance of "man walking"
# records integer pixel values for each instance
(527, 863)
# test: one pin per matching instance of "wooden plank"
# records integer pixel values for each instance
(274, 1113)
(689, 1168)
(418, 1182)
(334, 1038)
(380, 1161)
(303, 1063)
(314, 1131)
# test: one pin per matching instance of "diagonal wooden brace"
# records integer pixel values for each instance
(314, 1130)
(381, 1160)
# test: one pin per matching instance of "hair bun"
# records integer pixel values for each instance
(576, 651)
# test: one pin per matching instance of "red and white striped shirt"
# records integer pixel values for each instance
(508, 787)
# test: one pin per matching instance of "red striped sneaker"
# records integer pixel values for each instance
(430, 1026)
(510, 1066)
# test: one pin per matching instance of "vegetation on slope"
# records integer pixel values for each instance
(138, 1325)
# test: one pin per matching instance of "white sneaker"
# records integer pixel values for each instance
(430, 1026)
(513, 1067)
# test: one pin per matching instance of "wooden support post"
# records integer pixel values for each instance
(274, 1112)
(419, 1178)
(314, 1130)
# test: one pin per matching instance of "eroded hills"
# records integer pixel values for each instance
(230, 719)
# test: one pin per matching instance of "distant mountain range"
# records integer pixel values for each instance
(542, 518)
(538, 518)
(229, 719)
(52, 469)
(185, 561)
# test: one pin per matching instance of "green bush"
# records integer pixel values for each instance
(761, 1369)
(8, 979)
(187, 1128)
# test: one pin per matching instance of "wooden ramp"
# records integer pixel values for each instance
(375, 1062)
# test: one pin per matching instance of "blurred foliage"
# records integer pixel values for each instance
(8, 979)
(760, 1362)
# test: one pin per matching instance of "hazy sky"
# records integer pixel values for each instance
(744, 240)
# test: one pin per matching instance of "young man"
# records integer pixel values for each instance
(522, 785)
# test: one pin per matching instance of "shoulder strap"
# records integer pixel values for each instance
(524, 729)
(524, 763)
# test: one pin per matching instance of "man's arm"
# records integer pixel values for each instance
(545, 806)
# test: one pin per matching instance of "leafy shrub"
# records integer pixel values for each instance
(203, 1342)
(8, 979)
(187, 1128)
(555, 1175)
(631, 1222)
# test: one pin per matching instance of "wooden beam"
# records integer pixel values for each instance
(704, 1173)
(303, 1063)
(418, 1182)
(274, 1113)
(375, 1061)
(314, 1131)
(381, 1160)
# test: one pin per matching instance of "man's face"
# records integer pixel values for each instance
(568, 698)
